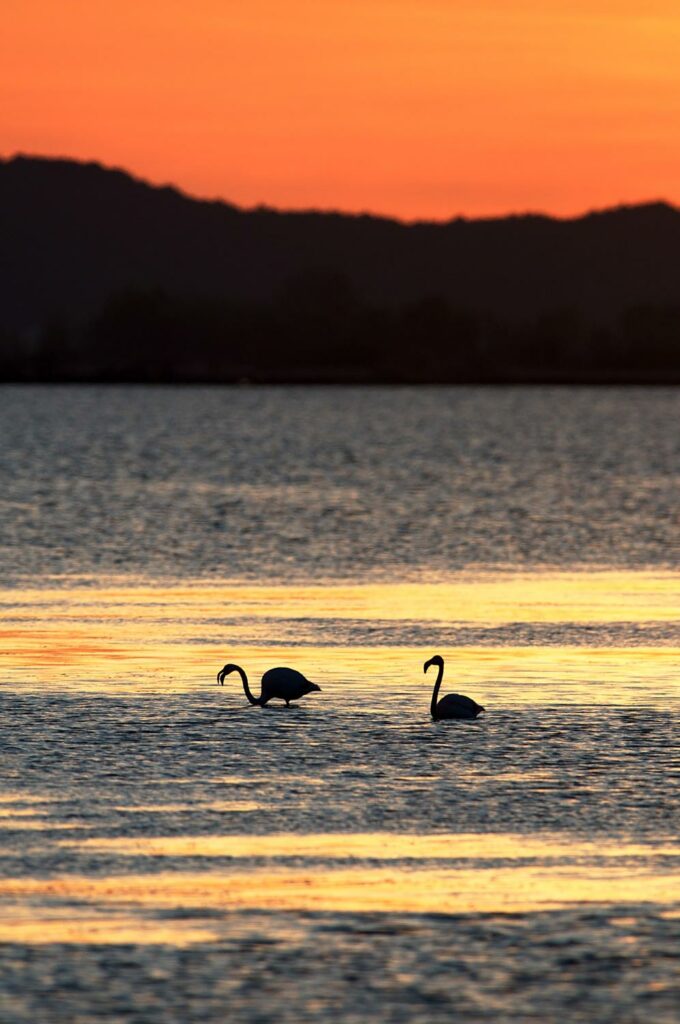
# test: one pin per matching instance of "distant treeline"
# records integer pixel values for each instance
(319, 330)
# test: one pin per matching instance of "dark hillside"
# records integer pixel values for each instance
(528, 292)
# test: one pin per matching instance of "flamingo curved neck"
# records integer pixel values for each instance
(435, 692)
(246, 688)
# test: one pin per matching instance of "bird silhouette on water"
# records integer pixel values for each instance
(453, 705)
(277, 684)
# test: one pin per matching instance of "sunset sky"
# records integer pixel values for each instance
(417, 108)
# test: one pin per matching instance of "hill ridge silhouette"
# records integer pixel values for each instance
(26, 160)
(76, 236)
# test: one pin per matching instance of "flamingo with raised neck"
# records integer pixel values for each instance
(453, 705)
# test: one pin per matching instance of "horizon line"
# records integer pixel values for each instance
(264, 207)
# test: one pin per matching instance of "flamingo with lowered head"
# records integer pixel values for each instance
(277, 683)
(453, 705)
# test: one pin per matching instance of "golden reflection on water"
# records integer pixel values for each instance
(39, 927)
(16, 812)
(376, 846)
(36, 817)
(524, 889)
(500, 676)
(41, 825)
(146, 639)
(25, 798)
(488, 598)
(563, 873)
(172, 638)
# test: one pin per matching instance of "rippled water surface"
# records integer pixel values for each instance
(280, 484)
(170, 853)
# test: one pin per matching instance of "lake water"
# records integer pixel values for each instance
(170, 853)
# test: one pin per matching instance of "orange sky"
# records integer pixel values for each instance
(419, 108)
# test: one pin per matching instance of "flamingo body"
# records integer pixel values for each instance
(455, 705)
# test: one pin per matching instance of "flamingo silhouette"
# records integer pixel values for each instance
(453, 705)
(277, 683)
